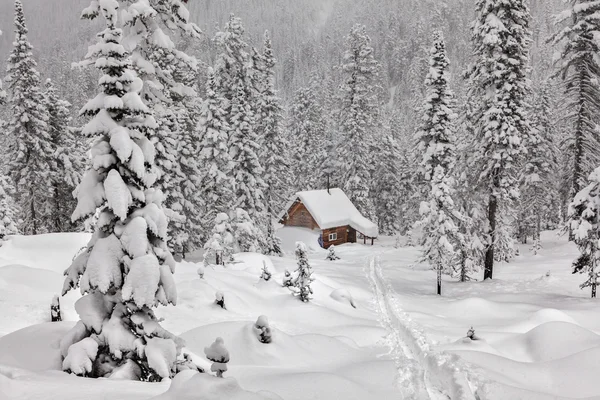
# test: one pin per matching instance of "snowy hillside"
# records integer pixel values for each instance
(538, 336)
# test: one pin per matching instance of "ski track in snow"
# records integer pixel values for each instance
(414, 370)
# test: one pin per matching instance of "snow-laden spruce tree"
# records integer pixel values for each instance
(538, 172)
(167, 90)
(219, 247)
(126, 269)
(274, 148)
(388, 184)
(584, 223)
(30, 143)
(358, 118)
(234, 84)
(499, 88)
(579, 69)
(8, 208)
(217, 185)
(306, 129)
(436, 144)
(67, 161)
(166, 141)
(247, 236)
(303, 279)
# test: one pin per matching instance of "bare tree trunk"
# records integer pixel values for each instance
(489, 254)
(439, 280)
(34, 229)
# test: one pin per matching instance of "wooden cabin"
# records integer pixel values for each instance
(332, 213)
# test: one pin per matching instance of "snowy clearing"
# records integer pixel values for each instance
(401, 341)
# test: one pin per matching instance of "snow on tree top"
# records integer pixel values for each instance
(331, 209)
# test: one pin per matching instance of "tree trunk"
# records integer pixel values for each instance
(439, 280)
(34, 229)
(489, 254)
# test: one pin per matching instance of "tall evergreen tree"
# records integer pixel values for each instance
(306, 128)
(235, 84)
(31, 149)
(126, 269)
(217, 185)
(436, 144)
(579, 68)
(274, 147)
(358, 118)
(499, 88)
(584, 223)
(67, 160)
(8, 209)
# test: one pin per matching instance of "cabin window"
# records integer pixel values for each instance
(333, 236)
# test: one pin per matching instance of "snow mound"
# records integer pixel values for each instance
(563, 377)
(550, 341)
(343, 296)
(190, 385)
(251, 263)
(538, 318)
(285, 350)
(35, 348)
(290, 235)
(53, 251)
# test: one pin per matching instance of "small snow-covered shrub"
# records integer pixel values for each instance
(331, 256)
(218, 354)
(55, 314)
(471, 334)
(288, 279)
(304, 274)
(220, 300)
(200, 271)
(265, 274)
(263, 330)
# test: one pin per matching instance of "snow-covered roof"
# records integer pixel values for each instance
(331, 209)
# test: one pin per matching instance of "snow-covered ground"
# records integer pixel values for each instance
(539, 333)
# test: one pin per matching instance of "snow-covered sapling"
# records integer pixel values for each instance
(200, 271)
(218, 354)
(263, 330)
(471, 334)
(536, 247)
(55, 313)
(332, 256)
(265, 274)
(288, 279)
(220, 300)
(304, 274)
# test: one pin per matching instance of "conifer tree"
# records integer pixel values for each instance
(274, 147)
(30, 149)
(8, 209)
(126, 269)
(584, 223)
(306, 130)
(579, 69)
(436, 144)
(217, 185)
(67, 161)
(498, 89)
(234, 84)
(388, 185)
(303, 277)
(537, 178)
(358, 118)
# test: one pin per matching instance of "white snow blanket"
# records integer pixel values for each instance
(332, 208)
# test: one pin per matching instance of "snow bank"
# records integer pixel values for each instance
(189, 385)
(289, 235)
(35, 348)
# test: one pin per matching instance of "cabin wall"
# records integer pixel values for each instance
(299, 216)
(342, 236)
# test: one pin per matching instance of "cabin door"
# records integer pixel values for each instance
(351, 235)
